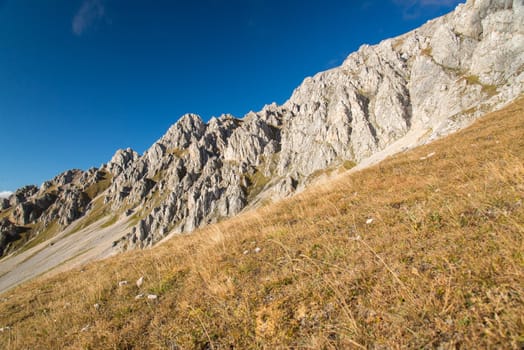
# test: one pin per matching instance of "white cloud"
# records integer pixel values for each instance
(90, 13)
(5, 194)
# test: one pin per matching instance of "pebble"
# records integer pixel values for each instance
(369, 221)
(429, 155)
(122, 283)
(258, 249)
(152, 297)
(140, 281)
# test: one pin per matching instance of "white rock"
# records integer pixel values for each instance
(258, 250)
(139, 296)
(140, 281)
(122, 283)
(429, 155)
(369, 221)
(152, 297)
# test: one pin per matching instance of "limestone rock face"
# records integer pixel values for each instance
(52, 207)
(431, 81)
(121, 160)
(21, 195)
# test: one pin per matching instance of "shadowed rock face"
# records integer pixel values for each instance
(436, 79)
(9, 232)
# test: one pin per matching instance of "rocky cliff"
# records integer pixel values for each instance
(416, 87)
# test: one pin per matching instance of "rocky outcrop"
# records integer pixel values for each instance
(431, 81)
(22, 194)
(9, 232)
(59, 202)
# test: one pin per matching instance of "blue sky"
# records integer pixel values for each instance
(81, 78)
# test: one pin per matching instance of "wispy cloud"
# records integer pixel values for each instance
(5, 194)
(90, 13)
(414, 8)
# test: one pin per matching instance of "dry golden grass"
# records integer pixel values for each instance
(441, 265)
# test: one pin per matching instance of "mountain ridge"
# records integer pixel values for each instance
(413, 88)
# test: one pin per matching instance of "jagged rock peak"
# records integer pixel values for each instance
(121, 160)
(188, 128)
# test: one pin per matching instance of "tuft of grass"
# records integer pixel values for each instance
(440, 265)
(135, 219)
(398, 43)
(257, 181)
(177, 152)
(159, 175)
(428, 51)
(110, 221)
(348, 164)
(489, 90)
(98, 187)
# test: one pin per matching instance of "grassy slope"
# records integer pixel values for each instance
(442, 263)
